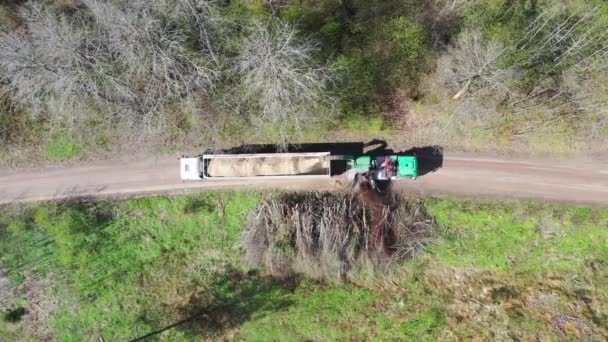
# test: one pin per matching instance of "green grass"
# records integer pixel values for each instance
(497, 270)
(364, 124)
(346, 313)
(110, 256)
(62, 147)
(516, 238)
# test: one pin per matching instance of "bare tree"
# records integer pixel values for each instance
(155, 64)
(121, 59)
(44, 63)
(474, 62)
(558, 40)
(281, 82)
(551, 38)
(203, 16)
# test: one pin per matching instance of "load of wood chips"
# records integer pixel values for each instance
(267, 166)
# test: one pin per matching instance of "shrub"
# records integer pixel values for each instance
(15, 315)
(404, 52)
(16, 127)
(356, 84)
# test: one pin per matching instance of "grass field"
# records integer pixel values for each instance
(174, 267)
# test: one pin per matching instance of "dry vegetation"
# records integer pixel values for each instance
(95, 75)
(83, 77)
(121, 61)
(331, 236)
(514, 78)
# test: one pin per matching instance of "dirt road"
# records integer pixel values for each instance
(582, 182)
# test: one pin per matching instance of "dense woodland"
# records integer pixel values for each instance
(83, 78)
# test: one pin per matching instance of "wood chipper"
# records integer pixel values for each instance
(386, 167)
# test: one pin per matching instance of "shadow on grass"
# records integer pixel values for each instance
(199, 204)
(15, 315)
(234, 298)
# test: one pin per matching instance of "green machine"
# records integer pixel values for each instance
(386, 167)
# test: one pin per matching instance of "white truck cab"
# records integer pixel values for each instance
(191, 168)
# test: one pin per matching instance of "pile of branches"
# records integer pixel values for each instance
(331, 236)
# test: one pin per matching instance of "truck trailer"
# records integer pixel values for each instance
(292, 165)
(256, 166)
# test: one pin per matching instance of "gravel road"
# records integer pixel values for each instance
(569, 181)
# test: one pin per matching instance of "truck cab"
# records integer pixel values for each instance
(191, 168)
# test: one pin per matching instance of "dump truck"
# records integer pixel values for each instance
(308, 165)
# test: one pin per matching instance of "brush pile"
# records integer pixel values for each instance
(329, 236)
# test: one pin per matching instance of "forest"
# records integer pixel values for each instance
(84, 79)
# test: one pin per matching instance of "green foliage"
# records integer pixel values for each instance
(503, 20)
(357, 83)
(16, 127)
(246, 12)
(377, 46)
(62, 147)
(405, 51)
(331, 33)
(293, 12)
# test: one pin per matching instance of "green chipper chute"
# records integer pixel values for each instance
(386, 167)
